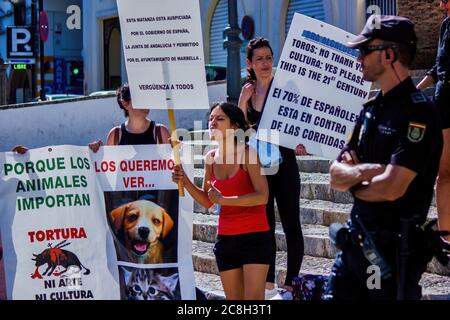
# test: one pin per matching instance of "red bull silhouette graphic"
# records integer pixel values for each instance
(56, 257)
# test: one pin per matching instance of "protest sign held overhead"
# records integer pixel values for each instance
(162, 42)
(318, 89)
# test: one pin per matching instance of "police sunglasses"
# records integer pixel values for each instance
(444, 1)
(366, 50)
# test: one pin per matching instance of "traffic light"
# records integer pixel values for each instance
(76, 73)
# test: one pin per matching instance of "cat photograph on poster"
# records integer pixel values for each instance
(149, 284)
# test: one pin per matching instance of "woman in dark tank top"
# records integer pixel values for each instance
(284, 186)
(137, 129)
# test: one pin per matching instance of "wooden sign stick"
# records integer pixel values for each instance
(176, 146)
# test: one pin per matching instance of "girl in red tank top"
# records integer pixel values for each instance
(233, 180)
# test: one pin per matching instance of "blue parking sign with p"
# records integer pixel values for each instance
(20, 44)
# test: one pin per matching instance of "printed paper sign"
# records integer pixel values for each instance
(150, 223)
(56, 245)
(110, 225)
(318, 89)
(162, 42)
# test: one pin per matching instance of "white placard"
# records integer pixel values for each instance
(77, 225)
(318, 90)
(163, 47)
(138, 180)
(56, 242)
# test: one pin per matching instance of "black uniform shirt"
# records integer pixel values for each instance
(400, 128)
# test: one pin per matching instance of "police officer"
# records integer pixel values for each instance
(440, 74)
(390, 165)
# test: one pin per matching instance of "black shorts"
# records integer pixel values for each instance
(442, 100)
(234, 251)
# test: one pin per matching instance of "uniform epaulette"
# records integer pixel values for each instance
(419, 97)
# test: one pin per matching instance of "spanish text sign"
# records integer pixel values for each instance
(162, 42)
(56, 242)
(151, 225)
(318, 89)
(78, 225)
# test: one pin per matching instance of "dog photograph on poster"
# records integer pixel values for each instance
(144, 225)
(149, 284)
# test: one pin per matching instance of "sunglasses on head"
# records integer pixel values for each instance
(444, 1)
(366, 50)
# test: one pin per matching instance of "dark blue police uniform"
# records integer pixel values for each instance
(441, 74)
(400, 128)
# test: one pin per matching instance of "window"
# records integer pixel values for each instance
(384, 7)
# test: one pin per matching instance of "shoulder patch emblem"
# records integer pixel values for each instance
(416, 131)
(418, 97)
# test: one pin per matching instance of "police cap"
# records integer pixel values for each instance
(389, 28)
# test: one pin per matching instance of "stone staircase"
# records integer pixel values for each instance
(319, 207)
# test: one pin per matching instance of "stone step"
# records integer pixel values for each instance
(207, 279)
(323, 212)
(319, 212)
(316, 240)
(311, 164)
(326, 212)
(315, 236)
(210, 284)
(433, 288)
(204, 261)
(308, 164)
(314, 186)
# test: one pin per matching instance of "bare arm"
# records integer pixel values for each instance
(165, 134)
(246, 94)
(343, 176)
(387, 186)
(425, 82)
(111, 137)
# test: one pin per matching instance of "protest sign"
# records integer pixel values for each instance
(163, 48)
(79, 225)
(151, 225)
(56, 244)
(318, 89)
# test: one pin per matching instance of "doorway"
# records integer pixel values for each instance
(112, 54)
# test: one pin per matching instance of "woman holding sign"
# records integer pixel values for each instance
(284, 186)
(138, 129)
(233, 181)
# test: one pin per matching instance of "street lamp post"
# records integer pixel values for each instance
(36, 32)
(233, 43)
(41, 57)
